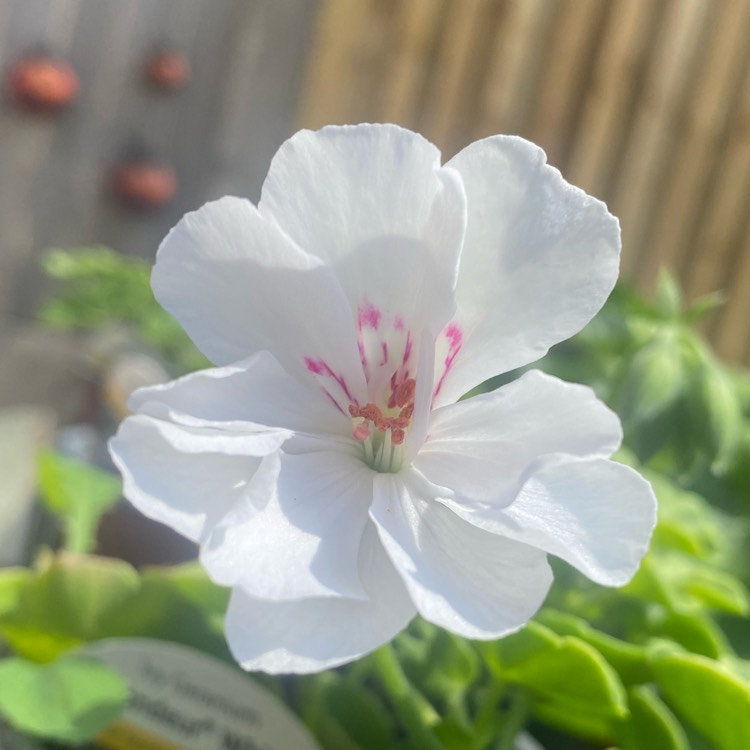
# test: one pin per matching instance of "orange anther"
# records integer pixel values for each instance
(405, 392)
(407, 411)
(397, 436)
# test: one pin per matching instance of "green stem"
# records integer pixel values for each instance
(486, 721)
(515, 719)
(414, 711)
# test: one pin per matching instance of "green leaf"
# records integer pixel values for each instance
(686, 584)
(452, 664)
(12, 581)
(360, 714)
(71, 699)
(572, 684)
(707, 695)
(695, 632)
(716, 413)
(687, 522)
(654, 380)
(79, 494)
(668, 297)
(627, 659)
(74, 599)
(704, 305)
(652, 725)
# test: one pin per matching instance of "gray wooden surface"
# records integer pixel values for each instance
(220, 132)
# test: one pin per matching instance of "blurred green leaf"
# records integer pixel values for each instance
(707, 695)
(686, 584)
(571, 683)
(668, 297)
(652, 725)
(716, 414)
(12, 581)
(70, 700)
(627, 659)
(79, 494)
(69, 602)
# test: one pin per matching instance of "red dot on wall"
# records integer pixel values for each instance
(43, 82)
(168, 69)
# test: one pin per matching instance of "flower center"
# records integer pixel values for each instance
(382, 431)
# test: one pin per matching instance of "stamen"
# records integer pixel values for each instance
(382, 445)
(361, 431)
(405, 392)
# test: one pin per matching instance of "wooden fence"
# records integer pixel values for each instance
(643, 103)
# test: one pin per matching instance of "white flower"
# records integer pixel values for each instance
(324, 467)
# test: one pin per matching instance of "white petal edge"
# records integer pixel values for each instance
(595, 514)
(484, 448)
(311, 635)
(539, 260)
(474, 583)
(238, 285)
(178, 477)
(296, 530)
(256, 390)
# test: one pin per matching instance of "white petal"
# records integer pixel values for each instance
(539, 260)
(471, 582)
(597, 515)
(177, 476)
(374, 203)
(296, 530)
(484, 448)
(310, 635)
(255, 390)
(238, 285)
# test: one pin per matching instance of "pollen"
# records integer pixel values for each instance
(382, 431)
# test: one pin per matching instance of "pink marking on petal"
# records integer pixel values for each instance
(454, 334)
(368, 315)
(314, 366)
(455, 338)
(333, 401)
(407, 348)
(384, 347)
(398, 323)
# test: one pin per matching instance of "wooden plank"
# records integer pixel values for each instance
(667, 85)
(256, 104)
(616, 74)
(681, 208)
(720, 233)
(416, 28)
(335, 63)
(514, 66)
(731, 336)
(572, 46)
(451, 78)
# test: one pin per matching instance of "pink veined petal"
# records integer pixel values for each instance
(539, 260)
(373, 202)
(238, 284)
(296, 530)
(256, 389)
(182, 477)
(595, 514)
(485, 448)
(309, 635)
(472, 582)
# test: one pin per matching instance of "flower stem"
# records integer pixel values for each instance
(515, 719)
(414, 711)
